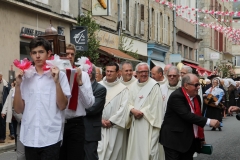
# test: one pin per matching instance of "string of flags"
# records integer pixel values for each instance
(232, 34)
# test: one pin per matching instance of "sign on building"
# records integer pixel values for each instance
(78, 37)
(201, 57)
(214, 56)
(101, 7)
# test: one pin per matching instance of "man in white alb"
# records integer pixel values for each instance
(127, 77)
(115, 114)
(157, 75)
(145, 110)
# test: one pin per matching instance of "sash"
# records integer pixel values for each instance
(112, 93)
(143, 93)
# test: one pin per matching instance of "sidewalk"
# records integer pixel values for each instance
(9, 144)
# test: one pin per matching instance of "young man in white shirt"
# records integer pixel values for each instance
(82, 97)
(41, 98)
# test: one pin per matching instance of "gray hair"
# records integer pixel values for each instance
(93, 72)
(173, 68)
(189, 69)
(125, 62)
(141, 64)
(186, 79)
(100, 69)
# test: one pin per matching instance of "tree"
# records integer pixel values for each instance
(226, 70)
(126, 46)
(93, 42)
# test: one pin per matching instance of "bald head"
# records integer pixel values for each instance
(157, 73)
(191, 84)
(166, 68)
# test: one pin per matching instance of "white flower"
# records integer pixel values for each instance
(28, 73)
(55, 62)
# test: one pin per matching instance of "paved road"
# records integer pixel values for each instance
(226, 144)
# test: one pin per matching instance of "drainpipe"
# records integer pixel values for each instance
(174, 29)
(197, 31)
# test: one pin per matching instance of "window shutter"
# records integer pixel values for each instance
(124, 14)
(158, 27)
(155, 25)
(136, 18)
(150, 23)
(166, 29)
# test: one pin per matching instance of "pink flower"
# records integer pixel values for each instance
(141, 97)
(22, 64)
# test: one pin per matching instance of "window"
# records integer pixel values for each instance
(43, 1)
(127, 16)
(65, 5)
(215, 39)
(142, 12)
(237, 60)
(191, 56)
(220, 42)
(179, 48)
(185, 52)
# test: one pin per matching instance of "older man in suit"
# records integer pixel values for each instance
(182, 129)
(93, 119)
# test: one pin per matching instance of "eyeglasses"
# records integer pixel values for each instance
(195, 85)
(174, 76)
(141, 72)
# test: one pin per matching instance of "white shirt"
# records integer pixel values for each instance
(42, 121)
(85, 98)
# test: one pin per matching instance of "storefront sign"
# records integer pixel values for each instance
(107, 39)
(78, 37)
(30, 33)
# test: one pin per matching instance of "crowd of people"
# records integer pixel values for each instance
(128, 114)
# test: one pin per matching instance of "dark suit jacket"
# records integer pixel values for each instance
(93, 119)
(177, 129)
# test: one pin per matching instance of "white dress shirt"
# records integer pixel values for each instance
(85, 98)
(42, 121)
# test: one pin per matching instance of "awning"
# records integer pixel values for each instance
(117, 53)
(158, 63)
(201, 71)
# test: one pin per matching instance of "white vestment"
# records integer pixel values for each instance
(128, 84)
(164, 81)
(144, 133)
(113, 144)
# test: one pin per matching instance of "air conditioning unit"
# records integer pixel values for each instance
(141, 24)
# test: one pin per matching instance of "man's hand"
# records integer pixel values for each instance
(104, 125)
(3, 115)
(79, 76)
(216, 103)
(108, 123)
(19, 78)
(233, 109)
(137, 114)
(214, 123)
(55, 73)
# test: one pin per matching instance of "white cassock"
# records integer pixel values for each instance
(113, 144)
(128, 84)
(164, 81)
(143, 143)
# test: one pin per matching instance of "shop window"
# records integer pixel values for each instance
(24, 50)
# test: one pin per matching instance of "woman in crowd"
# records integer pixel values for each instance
(214, 112)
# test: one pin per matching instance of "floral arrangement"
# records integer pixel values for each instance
(85, 64)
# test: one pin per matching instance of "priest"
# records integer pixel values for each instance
(115, 114)
(157, 75)
(145, 108)
(127, 77)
